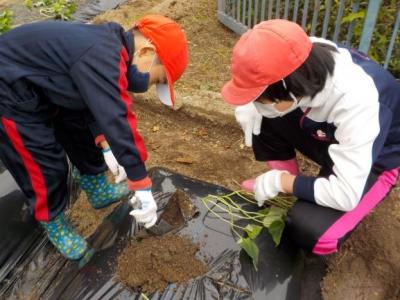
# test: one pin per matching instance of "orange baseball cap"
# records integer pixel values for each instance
(171, 47)
(263, 55)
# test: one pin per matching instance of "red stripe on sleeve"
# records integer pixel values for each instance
(142, 184)
(35, 174)
(123, 85)
(100, 138)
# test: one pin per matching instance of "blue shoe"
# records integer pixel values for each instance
(100, 192)
(64, 238)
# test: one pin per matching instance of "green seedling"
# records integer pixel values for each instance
(272, 217)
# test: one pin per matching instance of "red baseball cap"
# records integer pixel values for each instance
(263, 55)
(171, 47)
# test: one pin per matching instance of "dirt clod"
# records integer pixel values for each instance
(179, 209)
(153, 263)
(172, 213)
(188, 210)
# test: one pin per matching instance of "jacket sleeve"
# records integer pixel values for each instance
(96, 131)
(94, 128)
(361, 133)
(100, 75)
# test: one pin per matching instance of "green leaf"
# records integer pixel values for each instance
(275, 223)
(253, 230)
(274, 214)
(275, 229)
(353, 16)
(264, 211)
(250, 248)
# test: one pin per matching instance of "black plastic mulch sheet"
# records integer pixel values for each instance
(30, 266)
(94, 7)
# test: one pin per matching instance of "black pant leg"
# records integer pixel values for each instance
(280, 137)
(73, 133)
(37, 163)
(322, 229)
(307, 222)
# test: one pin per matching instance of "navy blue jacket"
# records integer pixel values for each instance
(78, 66)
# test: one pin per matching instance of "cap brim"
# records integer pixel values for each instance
(166, 91)
(235, 95)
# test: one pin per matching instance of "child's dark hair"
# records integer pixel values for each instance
(309, 79)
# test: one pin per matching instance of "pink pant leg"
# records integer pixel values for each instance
(328, 242)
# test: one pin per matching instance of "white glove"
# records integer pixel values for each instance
(147, 212)
(250, 119)
(268, 185)
(115, 168)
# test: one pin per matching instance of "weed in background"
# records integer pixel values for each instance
(382, 31)
(6, 18)
(351, 20)
(57, 9)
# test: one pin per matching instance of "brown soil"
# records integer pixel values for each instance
(84, 217)
(172, 214)
(178, 210)
(368, 265)
(186, 207)
(217, 156)
(151, 264)
(180, 135)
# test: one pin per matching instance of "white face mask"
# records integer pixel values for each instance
(269, 110)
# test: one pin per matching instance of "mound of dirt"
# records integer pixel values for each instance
(368, 264)
(150, 265)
